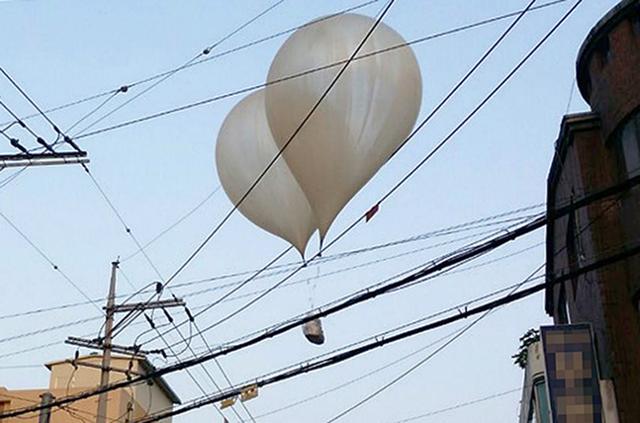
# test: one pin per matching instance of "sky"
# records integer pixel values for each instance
(156, 171)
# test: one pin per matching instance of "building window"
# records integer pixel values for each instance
(539, 410)
(629, 145)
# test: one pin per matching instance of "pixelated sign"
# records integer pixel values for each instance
(572, 375)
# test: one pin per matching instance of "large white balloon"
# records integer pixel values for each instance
(356, 128)
(244, 149)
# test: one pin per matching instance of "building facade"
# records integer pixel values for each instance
(595, 150)
(70, 377)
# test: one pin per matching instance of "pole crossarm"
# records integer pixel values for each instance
(43, 159)
(147, 306)
(120, 349)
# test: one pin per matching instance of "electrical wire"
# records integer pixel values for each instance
(286, 267)
(224, 373)
(539, 44)
(173, 225)
(405, 373)
(420, 363)
(134, 314)
(512, 290)
(431, 274)
(6, 181)
(435, 267)
(48, 260)
(613, 190)
(458, 406)
(280, 284)
(347, 355)
(26, 96)
(136, 341)
(360, 266)
(313, 70)
(168, 75)
(48, 329)
(22, 124)
(13, 396)
(267, 291)
(485, 314)
(356, 379)
(326, 91)
(419, 127)
(446, 231)
(94, 110)
(126, 87)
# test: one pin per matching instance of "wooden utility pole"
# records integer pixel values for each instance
(106, 346)
(45, 413)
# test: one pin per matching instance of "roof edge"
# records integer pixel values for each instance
(570, 124)
(612, 18)
(144, 363)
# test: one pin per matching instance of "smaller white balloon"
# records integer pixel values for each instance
(244, 149)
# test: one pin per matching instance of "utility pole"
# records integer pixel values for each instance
(45, 413)
(106, 346)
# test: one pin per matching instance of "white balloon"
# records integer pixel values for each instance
(361, 122)
(244, 149)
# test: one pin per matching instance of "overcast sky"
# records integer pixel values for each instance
(156, 171)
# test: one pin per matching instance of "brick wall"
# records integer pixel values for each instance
(612, 65)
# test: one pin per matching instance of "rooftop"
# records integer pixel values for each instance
(146, 366)
(617, 14)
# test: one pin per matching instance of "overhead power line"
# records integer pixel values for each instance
(408, 175)
(347, 355)
(291, 138)
(25, 95)
(458, 406)
(405, 373)
(195, 308)
(484, 315)
(613, 190)
(397, 360)
(354, 380)
(166, 282)
(561, 21)
(307, 72)
(173, 225)
(281, 283)
(263, 292)
(54, 266)
(49, 329)
(6, 181)
(250, 294)
(61, 136)
(446, 231)
(126, 87)
(167, 75)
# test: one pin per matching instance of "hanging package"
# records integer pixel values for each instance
(313, 331)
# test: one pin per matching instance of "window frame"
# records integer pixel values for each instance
(630, 126)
